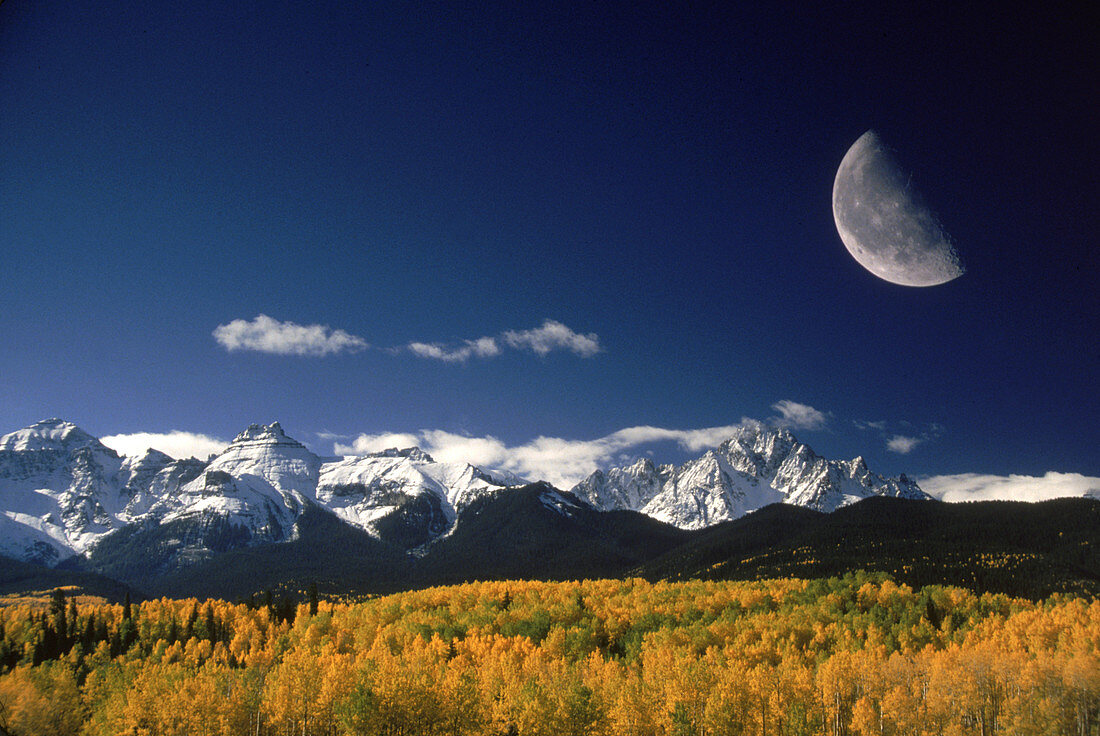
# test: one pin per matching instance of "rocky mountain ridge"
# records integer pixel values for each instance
(63, 493)
(755, 467)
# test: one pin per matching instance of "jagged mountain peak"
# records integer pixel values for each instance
(761, 446)
(415, 454)
(761, 437)
(265, 434)
(756, 466)
(63, 492)
(48, 434)
(629, 487)
(642, 465)
(150, 458)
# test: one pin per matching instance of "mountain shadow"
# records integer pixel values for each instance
(25, 577)
(540, 533)
(1020, 549)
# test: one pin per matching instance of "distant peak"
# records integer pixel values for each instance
(52, 422)
(761, 439)
(48, 434)
(153, 456)
(755, 431)
(412, 453)
(265, 434)
(55, 425)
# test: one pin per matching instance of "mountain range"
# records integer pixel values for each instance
(63, 492)
(267, 510)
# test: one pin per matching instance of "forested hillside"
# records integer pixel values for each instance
(852, 655)
(1021, 549)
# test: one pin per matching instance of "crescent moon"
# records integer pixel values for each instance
(884, 222)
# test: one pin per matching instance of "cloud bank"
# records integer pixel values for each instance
(560, 461)
(978, 487)
(267, 335)
(179, 445)
(566, 462)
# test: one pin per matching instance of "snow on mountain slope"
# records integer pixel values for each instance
(756, 467)
(261, 482)
(630, 487)
(151, 477)
(62, 492)
(365, 489)
(49, 435)
(58, 491)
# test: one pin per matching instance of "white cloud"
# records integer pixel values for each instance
(267, 335)
(541, 340)
(901, 444)
(798, 416)
(560, 461)
(178, 444)
(554, 336)
(483, 347)
(365, 444)
(327, 436)
(879, 426)
(978, 487)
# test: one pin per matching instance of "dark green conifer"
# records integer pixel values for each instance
(59, 623)
(211, 633)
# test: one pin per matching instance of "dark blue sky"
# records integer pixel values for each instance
(656, 176)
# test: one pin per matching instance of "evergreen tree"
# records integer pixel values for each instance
(74, 623)
(88, 639)
(211, 633)
(128, 634)
(49, 645)
(115, 643)
(313, 599)
(59, 623)
(189, 623)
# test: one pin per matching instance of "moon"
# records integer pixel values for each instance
(884, 222)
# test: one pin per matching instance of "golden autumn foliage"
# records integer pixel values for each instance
(856, 656)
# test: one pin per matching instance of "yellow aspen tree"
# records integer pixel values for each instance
(291, 693)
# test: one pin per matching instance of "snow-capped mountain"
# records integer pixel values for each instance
(756, 467)
(365, 490)
(261, 482)
(59, 491)
(62, 492)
